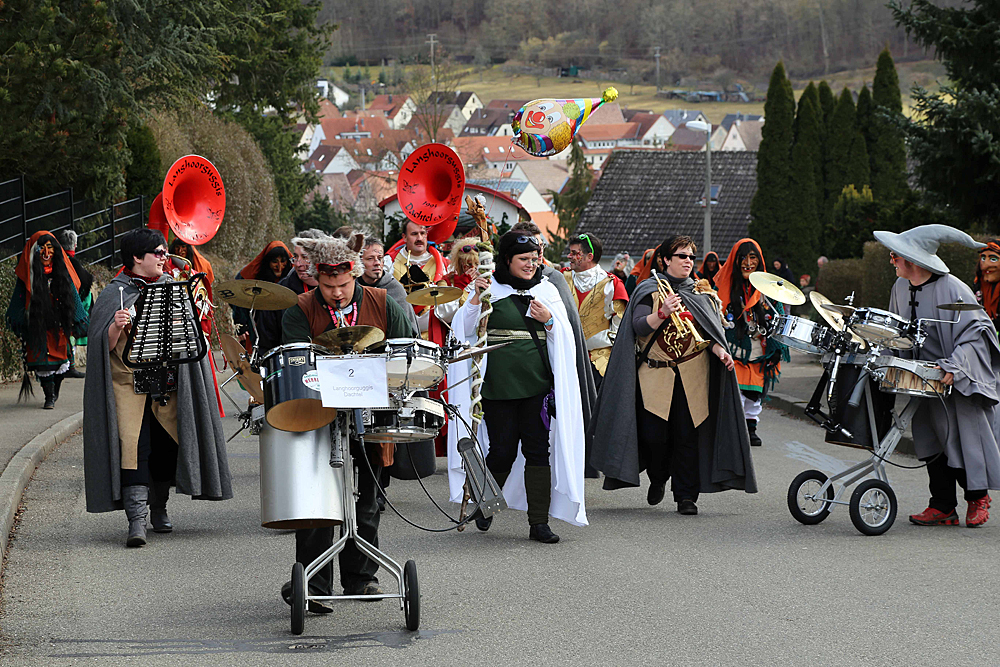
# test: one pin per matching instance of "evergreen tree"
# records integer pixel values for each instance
(809, 141)
(774, 209)
(827, 101)
(865, 114)
(846, 164)
(143, 177)
(886, 150)
(801, 246)
(570, 203)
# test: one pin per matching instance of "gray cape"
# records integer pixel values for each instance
(202, 464)
(397, 293)
(967, 431)
(588, 389)
(724, 459)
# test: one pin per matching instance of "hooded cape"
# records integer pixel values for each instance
(724, 459)
(251, 270)
(202, 464)
(969, 349)
(566, 436)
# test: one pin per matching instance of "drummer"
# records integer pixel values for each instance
(340, 301)
(957, 436)
(375, 275)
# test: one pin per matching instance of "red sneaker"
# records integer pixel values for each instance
(978, 513)
(933, 517)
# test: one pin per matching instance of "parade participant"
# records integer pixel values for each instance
(298, 280)
(530, 395)
(987, 282)
(601, 299)
(44, 311)
(67, 239)
(758, 357)
(135, 449)
(375, 275)
(782, 271)
(584, 372)
(463, 266)
(640, 271)
(271, 264)
(956, 437)
(709, 267)
(340, 300)
(416, 265)
(198, 262)
(678, 418)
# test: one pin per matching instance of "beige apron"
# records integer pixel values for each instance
(657, 384)
(130, 407)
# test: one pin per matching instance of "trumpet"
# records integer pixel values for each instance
(681, 334)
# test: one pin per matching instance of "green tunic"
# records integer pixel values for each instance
(517, 370)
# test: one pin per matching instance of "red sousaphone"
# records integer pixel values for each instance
(193, 201)
(431, 185)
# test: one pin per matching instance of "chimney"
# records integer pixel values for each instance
(390, 98)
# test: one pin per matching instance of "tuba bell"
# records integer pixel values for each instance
(431, 184)
(193, 199)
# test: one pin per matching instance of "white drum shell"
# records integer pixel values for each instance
(800, 333)
(298, 488)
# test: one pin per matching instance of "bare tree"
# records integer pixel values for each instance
(433, 93)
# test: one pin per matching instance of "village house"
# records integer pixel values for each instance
(599, 140)
(489, 123)
(399, 109)
(488, 152)
(654, 128)
(467, 102)
(448, 116)
(743, 135)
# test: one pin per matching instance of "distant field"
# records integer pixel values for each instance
(496, 84)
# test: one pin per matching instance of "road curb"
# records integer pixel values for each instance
(793, 407)
(18, 472)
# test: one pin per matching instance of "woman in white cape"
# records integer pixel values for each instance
(527, 453)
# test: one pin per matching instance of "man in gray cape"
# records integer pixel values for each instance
(722, 460)
(134, 448)
(956, 437)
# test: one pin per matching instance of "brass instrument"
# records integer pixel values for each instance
(680, 335)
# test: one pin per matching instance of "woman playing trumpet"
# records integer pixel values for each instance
(687, 420)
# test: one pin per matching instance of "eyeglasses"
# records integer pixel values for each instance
(159, 253)
(334, 269)
(585, 237)
(683, 255)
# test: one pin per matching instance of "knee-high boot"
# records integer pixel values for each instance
(49, 389)
(56, 384)
(134, 499)
(538, 489)
(158, 494)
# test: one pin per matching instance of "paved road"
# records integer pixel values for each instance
(742, 583)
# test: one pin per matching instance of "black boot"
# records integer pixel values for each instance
(134, 499)
(49, 389)
(538, 489)
(158, 494)
(74, 373)
(56, 385)
(755, 441)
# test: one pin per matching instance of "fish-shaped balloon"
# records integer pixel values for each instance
(545, 127)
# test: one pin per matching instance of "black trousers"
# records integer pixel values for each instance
(510, 422)
(356, 569)
(157, 453)
(669, 448)
(942, 485)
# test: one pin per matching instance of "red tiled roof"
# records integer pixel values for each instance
(390, 104)
(608, 131)
(477, 149)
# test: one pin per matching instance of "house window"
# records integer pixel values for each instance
(501, 149)
(486, 149)
(715, 196)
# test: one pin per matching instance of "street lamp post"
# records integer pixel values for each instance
(700, 126)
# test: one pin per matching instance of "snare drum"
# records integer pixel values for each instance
(881, 327)
(802, 334)
(292, 400)
(912, 378)
(414, 362)
(411, 420)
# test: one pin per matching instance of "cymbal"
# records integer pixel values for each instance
(844, 311)
(960, 306)
(777, 288)
(250, 380)
(833, 317)
(434, 295)
(256, 294)
(475, 351)
(349, 338)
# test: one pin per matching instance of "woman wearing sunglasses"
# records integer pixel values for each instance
(676, 417)
(533, 435)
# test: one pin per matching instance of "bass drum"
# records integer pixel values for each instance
(856, 420)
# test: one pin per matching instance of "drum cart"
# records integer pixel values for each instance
(348, 423)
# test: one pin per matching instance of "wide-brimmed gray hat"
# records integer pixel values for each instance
(920, 244)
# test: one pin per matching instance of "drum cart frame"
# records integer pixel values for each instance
(348, 420)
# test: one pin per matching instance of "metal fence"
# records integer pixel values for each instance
(98, 230)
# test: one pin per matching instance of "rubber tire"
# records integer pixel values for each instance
(855, 507)
(298, 599)
(411, 601)
(793, 498)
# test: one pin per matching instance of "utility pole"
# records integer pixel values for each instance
(432, 40)
(657, 56)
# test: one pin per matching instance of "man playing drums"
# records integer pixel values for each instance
(956, 437)
(340, 301)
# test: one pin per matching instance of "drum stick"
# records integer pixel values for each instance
(121, 296)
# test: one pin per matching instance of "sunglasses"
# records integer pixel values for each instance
(683, 255)
(585, 237)
(527, 239)
(334, 269)
(467, 248)
(159, 253)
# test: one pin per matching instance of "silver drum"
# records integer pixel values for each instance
(298, 488)
(415, 363)
(802, 334)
